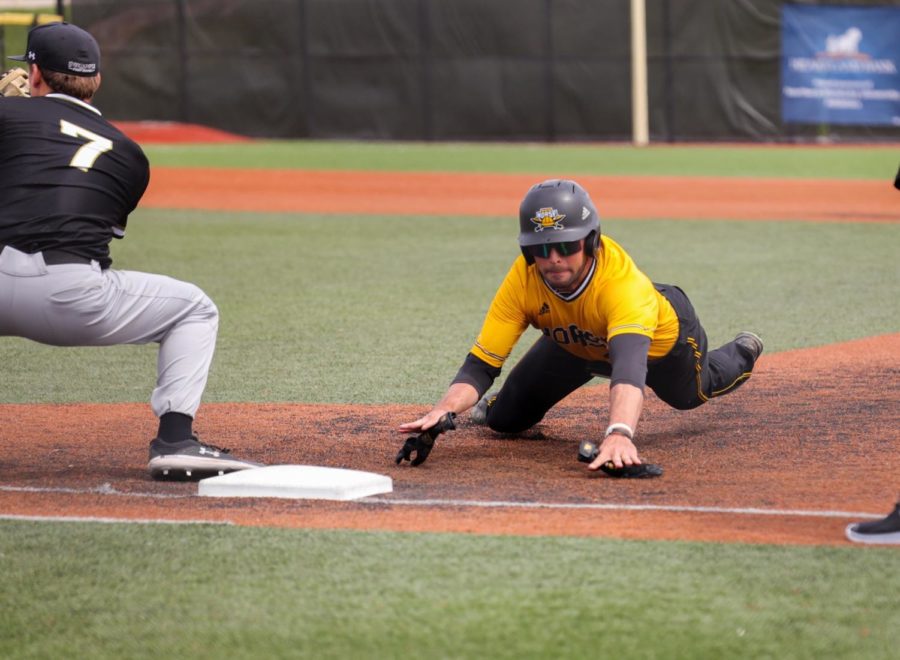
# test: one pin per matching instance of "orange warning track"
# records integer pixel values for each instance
(170, 132)
(429, 193)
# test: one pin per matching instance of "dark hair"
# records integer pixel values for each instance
(81, 87)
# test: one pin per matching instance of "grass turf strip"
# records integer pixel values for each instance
(544, 160)
(384, 309)
(111, 591)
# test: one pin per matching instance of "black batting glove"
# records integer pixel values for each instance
(423, 443)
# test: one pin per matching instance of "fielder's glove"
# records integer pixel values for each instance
(587, 452)
(14, 83)
(421, 444)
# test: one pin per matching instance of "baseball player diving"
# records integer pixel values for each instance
(599, 315)
(68, 181)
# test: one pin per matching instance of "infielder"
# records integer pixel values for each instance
(599, 315)
(68, 180)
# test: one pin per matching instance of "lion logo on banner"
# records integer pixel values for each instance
(844, 45)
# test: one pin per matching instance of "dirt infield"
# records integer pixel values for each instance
(806, 446)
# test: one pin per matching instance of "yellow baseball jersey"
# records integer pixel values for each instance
(615, 298)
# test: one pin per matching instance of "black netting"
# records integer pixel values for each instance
(446, 70)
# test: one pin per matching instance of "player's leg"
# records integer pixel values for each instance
(544, 376)
(84, 306)
(80, 305)
(731, 364)
(691, 374)
(134, 308)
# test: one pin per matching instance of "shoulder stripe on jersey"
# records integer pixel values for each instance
(632, 325)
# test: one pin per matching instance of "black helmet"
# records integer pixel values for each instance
(557, 211)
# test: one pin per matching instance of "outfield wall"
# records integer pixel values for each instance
(545, 70)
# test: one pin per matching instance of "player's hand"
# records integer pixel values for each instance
(618, 449)
(423, 423)
(417, 447)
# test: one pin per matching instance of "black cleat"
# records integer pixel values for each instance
(479, 413)
(192, 459)
(886, 530)
(750, 344)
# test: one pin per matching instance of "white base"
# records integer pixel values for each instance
(296, 482)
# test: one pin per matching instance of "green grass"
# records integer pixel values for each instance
(384, 309)
(101, 591)
(342, 308)
(544, 160)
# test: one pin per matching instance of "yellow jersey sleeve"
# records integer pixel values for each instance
(505, 321)
(633, 308)
(630, 302)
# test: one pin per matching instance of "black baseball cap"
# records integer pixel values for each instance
(62, 47)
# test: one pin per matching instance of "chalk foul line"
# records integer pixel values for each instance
(107, 489)
(747, 511)
(103, 489)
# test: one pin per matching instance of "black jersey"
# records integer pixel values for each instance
(68, 178)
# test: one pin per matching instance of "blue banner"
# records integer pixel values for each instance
(839, 65)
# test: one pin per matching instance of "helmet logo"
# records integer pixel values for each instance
(548, 218)
(585, 213)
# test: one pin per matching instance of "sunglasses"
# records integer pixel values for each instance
(565, 249)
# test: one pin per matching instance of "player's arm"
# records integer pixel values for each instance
(628, 358)
(140, 182)
(458, 398)
(472, 380)
(504, 324)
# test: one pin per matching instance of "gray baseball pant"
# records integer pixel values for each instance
(82, 305)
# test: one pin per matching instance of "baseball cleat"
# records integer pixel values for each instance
(886, 530)
(479, 413)
(750, 344)
(192, 459)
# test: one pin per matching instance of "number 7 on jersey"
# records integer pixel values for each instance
(87, 154)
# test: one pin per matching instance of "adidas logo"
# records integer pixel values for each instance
(545, 309)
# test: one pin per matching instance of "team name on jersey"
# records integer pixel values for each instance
(574, 335)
